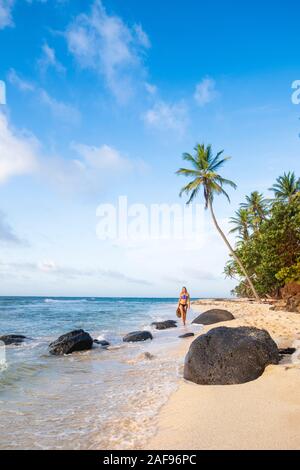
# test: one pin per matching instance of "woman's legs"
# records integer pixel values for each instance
(183, 313)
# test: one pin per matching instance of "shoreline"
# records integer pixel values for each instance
(262, 414)
(119, 389)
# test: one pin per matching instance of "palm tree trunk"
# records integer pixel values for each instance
(232, 251)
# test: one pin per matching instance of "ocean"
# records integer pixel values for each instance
(98, 399)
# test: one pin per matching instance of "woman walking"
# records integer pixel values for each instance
(184, 303)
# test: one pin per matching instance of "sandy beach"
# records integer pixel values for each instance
(263, 414)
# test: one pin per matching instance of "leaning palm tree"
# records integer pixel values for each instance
(205, 176)
(286, 186)
(257, 206)
(241, 223)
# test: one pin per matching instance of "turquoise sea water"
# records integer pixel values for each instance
(89, 400)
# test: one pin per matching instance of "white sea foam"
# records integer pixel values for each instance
(65, 301)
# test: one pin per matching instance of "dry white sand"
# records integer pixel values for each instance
(263, 414)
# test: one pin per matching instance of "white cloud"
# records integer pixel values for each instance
(200, 274)
(205, 91)
(150, 88)
(106, 44)
(6, 7)
(49, 59)
(20, 154)
(142, 37)
(47, 266)
(7, 234)
(18, 151)
(19, 82)
(59, 109)
(87, 172)
(100, 158)
(164, 116)
(59, 272)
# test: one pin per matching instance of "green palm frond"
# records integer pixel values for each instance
(286, 186)
(204, 174)
(241, 223)
(257, 207)
(224, 181)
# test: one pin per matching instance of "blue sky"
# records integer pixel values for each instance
(102, 98)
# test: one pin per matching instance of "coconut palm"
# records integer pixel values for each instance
(286, 186)
(257, 207)
(205, 177)
(230, 270)
(241, 223)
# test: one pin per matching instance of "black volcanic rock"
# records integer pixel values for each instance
(226, 356)
(102, 343)
(213, 316)
(164, 325)
(186, 335)
(137, 336)
(78, 340)
(12, 339)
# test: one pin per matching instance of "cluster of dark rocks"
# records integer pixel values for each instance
(77, 340)
(223, 356)
(137, 336)
(80, 340)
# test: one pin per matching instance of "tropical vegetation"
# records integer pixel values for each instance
(266, 254)
(268, 239)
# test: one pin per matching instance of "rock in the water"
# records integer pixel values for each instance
(12, 339)
(226, 356)
(187, 335)
(102, 343)
(78, 340)
(213, 316)
(137, 336)
(148, 356)
(164, 325)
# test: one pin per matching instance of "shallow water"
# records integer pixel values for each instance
(91, 400)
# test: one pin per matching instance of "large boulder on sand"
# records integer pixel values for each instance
(164, 325)
(78, 340)
(12, 339)
(137, 336)
(226, 356)
(213, 316)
